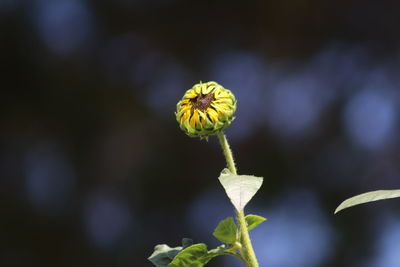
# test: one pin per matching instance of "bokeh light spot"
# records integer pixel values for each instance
(50, 179)
(63, 25)
(106, 219)
(369, 118)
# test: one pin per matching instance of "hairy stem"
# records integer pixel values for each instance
(227, 152)
(247, 250)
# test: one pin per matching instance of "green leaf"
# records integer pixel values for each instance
(240, 188)
(187, 242)
(163, 255)
(172, 253)
(368, 197)
(226, 231)
(193, 256)
(220, 250)
(253, 221)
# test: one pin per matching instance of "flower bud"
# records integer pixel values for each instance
(205, 109)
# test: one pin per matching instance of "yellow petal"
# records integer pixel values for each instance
(220, 107)
(203, 118)
(197, 90)
(190, 94)
(195, 119)
(185, 116)
(212, 114)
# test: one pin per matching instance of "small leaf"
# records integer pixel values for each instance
(240, 188)
(226, 231)
(163, 255)
(193, 256)
(253, 221)
(368, 197)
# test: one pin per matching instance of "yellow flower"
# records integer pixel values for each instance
(205, 109)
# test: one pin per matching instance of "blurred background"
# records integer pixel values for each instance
(94, 170)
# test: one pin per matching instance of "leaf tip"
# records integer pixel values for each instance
(340, 208)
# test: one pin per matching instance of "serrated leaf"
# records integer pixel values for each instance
(253, 221)
(193, 256)
(368, 197)
(240, 188)
(226, 231)
(163, 255)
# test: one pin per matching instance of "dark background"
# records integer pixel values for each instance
(94, 170)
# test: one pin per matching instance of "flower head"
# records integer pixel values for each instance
(205, 109)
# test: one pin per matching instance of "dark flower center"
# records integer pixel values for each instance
(202, 102)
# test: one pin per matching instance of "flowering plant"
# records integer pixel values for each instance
(205, 110)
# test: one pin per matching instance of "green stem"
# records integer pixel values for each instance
(227, 152)
(247, 247)
(247, 250)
